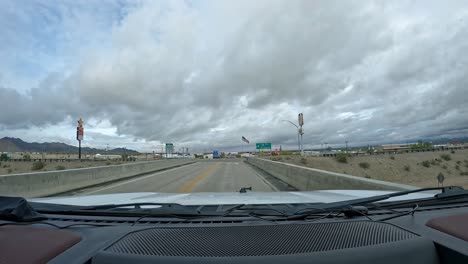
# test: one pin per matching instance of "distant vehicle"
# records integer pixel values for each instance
(216, 154)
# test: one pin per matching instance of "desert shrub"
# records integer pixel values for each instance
(27, 157)
(38, 165)
(364, 165)
(343, 158)
(457, 167)
(304, 161)
(108, 163)
(60, 167)
(367, 176)
(10, 170)
(458, 162)
(426, 163)
(444, 167)
(453, 151)
(392, 157)
(446, 157)
(276, 158)
(4, 157)
(407, 168)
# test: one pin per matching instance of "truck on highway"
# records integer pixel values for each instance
(216, 154)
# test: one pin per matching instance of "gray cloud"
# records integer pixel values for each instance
(204, 77)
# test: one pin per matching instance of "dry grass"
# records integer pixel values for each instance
(418, 169)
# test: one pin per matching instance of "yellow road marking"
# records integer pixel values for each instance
(192, 183)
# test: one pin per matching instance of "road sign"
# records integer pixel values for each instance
(440, 179)
(300, 119)
(169, 145)
(263, 145)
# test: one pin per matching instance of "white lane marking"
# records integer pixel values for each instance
(134, 180)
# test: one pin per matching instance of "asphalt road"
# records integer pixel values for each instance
(222, 176)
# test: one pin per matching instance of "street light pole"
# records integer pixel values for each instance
(298, 133)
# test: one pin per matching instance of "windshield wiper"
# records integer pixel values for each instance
(149, 208)
(446, 192)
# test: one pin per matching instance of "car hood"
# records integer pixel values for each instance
(215, 198)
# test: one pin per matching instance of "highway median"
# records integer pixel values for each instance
(41, 184)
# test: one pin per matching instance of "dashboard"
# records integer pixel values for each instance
(431, 235)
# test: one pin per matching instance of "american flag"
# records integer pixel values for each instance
(245, 140)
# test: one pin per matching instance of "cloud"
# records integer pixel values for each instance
(203, 74)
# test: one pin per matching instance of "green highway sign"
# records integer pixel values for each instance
(263, 145)
(169, 145)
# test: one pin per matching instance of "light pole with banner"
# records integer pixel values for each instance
(300, 121)
(79, 136)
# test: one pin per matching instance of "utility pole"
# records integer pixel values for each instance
(298, 133)
(346, 146)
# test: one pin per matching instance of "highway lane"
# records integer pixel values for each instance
(214, 176)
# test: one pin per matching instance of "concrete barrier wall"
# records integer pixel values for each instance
(309, 179)
(54, 182)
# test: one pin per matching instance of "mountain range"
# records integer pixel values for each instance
(9, 144)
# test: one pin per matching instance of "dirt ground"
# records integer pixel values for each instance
(12, 167)
(407, 168)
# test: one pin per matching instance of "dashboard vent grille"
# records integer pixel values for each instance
(262, 240)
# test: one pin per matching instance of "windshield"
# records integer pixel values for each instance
(231, 102)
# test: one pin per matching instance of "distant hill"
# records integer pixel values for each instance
(8, 144)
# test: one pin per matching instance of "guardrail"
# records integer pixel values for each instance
(308, 179)
(48, 183)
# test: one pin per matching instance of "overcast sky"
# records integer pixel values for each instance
(201, 74)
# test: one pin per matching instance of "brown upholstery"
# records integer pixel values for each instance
(456, 225)
(27, 244)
